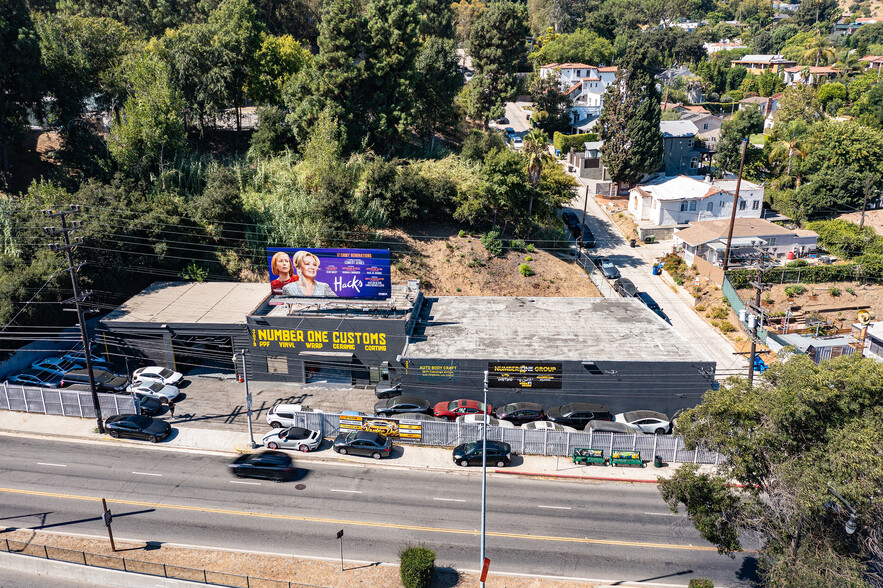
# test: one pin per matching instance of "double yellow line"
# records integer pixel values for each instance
(284, 517)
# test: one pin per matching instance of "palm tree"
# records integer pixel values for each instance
(536, 149)
(819, 47)
(848, 63)
(791, 145)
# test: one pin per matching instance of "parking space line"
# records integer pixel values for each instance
(146, 474)
(241, 482)
(449, 499)
(555, 507)
(55, 465)
(347, 491)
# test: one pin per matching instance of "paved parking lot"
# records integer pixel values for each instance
(215, 403)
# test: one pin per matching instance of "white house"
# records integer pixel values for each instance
(585, 84)
(707, 240)
(666, 201)
(568, 74)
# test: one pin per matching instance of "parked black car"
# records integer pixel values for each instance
(519, 413)
(136, 426)
(498, 453)
(150, 405)
(105, 381)
(625, 287)
(587, 238)
(578, 414)
(651, 304)
(387, 389)
(271, 465)
(402, 405)
(35, 377)
(363, 443)
(570, 219)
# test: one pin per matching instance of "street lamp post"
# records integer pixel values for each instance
(251, 442)
(483, 478)
(851, 524)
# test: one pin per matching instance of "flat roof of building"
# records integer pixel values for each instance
(191, 302)
(700, 232)
(581, 329)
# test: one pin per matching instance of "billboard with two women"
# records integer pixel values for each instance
(329, 273)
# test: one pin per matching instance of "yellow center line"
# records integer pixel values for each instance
(245, 513)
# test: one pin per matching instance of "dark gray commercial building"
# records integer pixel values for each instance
(546, 350)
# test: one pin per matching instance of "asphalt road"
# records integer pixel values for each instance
(536, 527)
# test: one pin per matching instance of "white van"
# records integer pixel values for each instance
(284, 415)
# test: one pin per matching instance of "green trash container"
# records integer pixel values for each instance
(657, 461)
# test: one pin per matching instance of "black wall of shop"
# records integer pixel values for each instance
(279, 347)
(621, 386)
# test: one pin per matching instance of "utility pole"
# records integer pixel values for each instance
(484, 475)
(78, 298)
(252, 444)
(735, 206)
(579, 242)
(861, 223)
(756, 308)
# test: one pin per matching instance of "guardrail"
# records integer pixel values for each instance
(149, 568)
(62, 402)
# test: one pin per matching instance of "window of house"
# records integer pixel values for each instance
(741, 205)
(755, 205)
(705, 127)
(771, 241)
(710, 207)
(692, 206)
(684, 206)
(277, 365)
(694, 163)
(690, 143)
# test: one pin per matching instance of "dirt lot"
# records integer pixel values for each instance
(272, 567)
(873, 218)
(450, 265)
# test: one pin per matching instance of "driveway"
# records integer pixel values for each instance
(636, 265)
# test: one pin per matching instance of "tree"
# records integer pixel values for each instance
(629, 122)
(814, 11)
(797, 102)
(238, 34)
(496, 45)
(391, 50)
(831, 91)
(148, 17)
(551, 106)
(149, 130)
(333, 81)
(439, 81)
(466, 13)
(536, 148)
(503, 194)
(790, 145)
(746, 122)
(818, 49)
(436, 19)
(277, 60)
(800, 429)
(582, 46)
(20, 80)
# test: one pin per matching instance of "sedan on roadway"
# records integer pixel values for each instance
(271, 465)
(451, 410)
(402, 405)
(136, 426)
(645, 421)
(363, 443)
(608, 270)
(299, 438)
(35, 377)
(154, 388)
(478, 419)
(155, 372)
(547, 426)
(498, 453)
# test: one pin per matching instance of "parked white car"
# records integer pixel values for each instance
(477, 419)
(645, 421)
(547, 426)
(156, 389)
(155, 372)
(284, 415)
(299, 438)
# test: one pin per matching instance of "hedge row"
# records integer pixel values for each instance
(808, 275)
(564, 143)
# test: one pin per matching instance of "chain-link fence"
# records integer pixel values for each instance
(532, 441)
(125, 564)
(594, 273)
(77, 403)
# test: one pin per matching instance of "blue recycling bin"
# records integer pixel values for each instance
(657, 269)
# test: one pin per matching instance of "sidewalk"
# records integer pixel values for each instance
(189, 438)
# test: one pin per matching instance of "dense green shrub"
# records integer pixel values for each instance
(700, 583)
(719, 312)
(525, 270)
(530, 248)
(492, 242)
(835, 291)
(797, 263)
(517, 245)
(868, 267)
(416, 566)
(795, 290)
(564, 143)
(846, 239)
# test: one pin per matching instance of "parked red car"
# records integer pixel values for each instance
(451, 410)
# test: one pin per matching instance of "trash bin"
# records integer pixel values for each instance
(657, 461)
(633, 242)
(657, 269)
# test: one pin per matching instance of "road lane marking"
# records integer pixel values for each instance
(263, 515)
(556, 507)
(55, 465)
(662, 514)
(449, 499)
(247, 483)
(146, 474)
(347, 491)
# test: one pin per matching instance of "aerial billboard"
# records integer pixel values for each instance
(329, 273)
